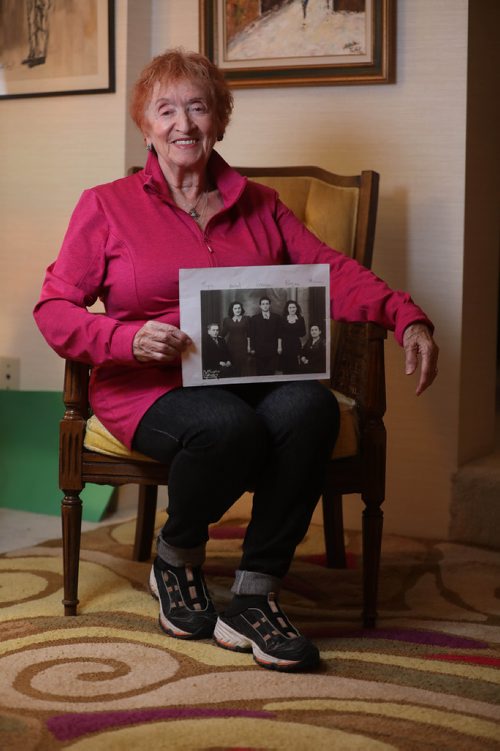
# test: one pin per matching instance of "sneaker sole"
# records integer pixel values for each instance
(167, 626)
(228, 638)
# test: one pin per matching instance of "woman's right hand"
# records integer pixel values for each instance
(159, 342)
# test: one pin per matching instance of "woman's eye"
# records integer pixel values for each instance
(198, 108)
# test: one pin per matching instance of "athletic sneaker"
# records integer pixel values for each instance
(259, 625)
(186, 610)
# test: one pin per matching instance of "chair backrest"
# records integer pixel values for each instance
(341, 210)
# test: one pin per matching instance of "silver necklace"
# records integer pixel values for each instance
(193, 210)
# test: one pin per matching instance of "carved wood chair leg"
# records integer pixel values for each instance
(71, 515)
(145, 524)
(373, 520)
(333, 528)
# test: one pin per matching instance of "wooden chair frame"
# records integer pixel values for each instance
(357, 371)
(77, 466)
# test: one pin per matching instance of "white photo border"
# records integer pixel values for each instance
(215, 289)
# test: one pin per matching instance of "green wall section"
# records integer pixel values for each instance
(29, 456)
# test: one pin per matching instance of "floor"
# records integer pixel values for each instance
(22, 529)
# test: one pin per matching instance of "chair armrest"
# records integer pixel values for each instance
(72, 426)
(357, 366)
(76, 386)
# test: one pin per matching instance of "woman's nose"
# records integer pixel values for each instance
(184, 122)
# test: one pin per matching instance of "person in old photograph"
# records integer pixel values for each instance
(125, 244)
(293, 328)
(215, 356)
(236, 331)
(313, 354)
(265, 338)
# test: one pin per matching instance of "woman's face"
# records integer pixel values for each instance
(292, 309)
(179, 124)
(236, 309)
(315, 331)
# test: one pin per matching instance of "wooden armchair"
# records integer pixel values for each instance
(342, 212)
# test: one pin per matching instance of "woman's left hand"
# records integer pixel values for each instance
(420, 346)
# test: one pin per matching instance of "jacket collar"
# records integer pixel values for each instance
(228, 181)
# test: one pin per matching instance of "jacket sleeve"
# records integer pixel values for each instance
(356, 293)
(74, 282)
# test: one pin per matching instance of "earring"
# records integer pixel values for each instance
(149, 147)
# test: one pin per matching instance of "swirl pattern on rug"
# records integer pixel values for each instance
(427, 677)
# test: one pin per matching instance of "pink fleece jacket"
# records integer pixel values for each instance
(125, 244)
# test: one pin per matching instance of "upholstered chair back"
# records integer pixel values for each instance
(330, 211)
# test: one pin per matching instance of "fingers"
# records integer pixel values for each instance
(428, 374)
(421, 348)
(159, 342)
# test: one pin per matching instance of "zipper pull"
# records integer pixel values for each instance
(210, 250)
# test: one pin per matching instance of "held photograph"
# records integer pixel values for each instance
(251, 324)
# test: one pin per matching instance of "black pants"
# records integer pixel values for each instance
(274, 439)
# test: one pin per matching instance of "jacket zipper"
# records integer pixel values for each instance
(211, 252)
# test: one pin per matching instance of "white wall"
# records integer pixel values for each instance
(50, 150)
(412, 132)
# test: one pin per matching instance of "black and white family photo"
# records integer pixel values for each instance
(260, 333)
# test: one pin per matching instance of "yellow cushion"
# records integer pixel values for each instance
(331, 214)
(99, 439)
(330, 211)
(293, 191)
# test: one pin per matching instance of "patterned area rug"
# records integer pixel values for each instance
(427, 678)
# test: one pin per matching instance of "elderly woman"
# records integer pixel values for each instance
(125, 244)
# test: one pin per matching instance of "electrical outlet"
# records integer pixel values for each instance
(10, 370)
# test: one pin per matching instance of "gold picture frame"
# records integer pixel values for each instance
(321, 43)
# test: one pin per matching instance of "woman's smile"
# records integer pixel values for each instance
(185, 141)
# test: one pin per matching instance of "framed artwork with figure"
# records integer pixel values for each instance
(56, 47)
(300, 42)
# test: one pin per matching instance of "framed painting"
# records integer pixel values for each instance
(56, 47)
(300, 42)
